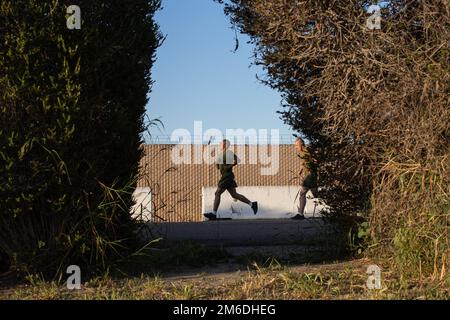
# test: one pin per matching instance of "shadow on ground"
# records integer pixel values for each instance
(189, 259)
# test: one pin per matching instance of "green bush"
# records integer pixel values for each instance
(71, 120)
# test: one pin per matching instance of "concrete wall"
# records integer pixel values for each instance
(278, 202)
(240, 232)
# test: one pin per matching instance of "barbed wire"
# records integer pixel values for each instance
(236, 140)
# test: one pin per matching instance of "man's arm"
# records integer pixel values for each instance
(236, 160)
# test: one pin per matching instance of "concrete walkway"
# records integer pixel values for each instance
(241, 232)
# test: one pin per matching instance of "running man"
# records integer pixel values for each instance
(308, 176)
(225, 162)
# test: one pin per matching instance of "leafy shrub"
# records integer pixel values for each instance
(71, 117)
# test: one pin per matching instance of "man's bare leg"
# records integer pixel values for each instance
(243, 199)
(303, 192)
(217, 196)
(315, 192)
(238, 196)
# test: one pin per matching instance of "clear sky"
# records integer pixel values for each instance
(198, 77)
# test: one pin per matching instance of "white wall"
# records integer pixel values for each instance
(142, 210)
(278, 202)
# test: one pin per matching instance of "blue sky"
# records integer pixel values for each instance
(198, 77)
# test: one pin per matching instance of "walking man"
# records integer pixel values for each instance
(225, 162)
(308, 176)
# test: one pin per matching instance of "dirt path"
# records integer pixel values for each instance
(234, 271)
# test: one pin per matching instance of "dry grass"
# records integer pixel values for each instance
(345, 280)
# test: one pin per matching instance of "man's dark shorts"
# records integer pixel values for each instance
(310, 181)
(227, 183)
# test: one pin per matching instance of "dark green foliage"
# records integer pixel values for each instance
(71, 118)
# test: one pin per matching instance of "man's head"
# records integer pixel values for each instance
(299, 145)
(225, 144)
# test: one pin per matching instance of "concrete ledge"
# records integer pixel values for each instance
(240, 232)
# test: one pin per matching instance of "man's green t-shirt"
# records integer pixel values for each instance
(225, 163)
(310, 170)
